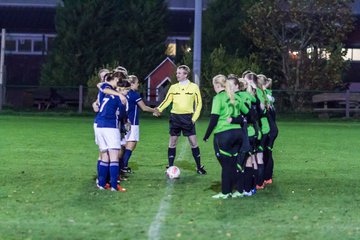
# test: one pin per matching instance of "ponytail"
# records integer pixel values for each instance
(229, 92)
(261, 80)
(222, 80)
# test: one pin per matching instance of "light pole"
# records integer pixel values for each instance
(197, 42)
(2, 55)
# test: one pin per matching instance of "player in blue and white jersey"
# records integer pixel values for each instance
(104, 88)
(132, 137)
(124, 124)
(112, 108)
(96, 106)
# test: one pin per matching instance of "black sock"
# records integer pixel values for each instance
(240, 181)
(196, 155)
(269, 166)
(227, 175)
(171, 156)
(248, 179)
(260, 179)
(255, 175)
(121, 164)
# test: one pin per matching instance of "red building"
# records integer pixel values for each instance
(159, 80)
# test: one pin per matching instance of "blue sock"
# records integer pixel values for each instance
(103, 173)
(98, 165)
(114, 174)
(126, 157)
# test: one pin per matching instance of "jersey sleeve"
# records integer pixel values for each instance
(137, 97)
(198, 104)
(243, 108)
(168, 99)
(216, 106)
(105, 86)
(123, 109)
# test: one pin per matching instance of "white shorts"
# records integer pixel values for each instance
(108, 138)
(95, 133)
(122, 141)
(134, 134)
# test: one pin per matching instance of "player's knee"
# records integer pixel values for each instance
(193, 145)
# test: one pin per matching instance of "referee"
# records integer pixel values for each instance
(186, 106)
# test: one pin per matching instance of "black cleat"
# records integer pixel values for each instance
(126, 170)
(201, 170)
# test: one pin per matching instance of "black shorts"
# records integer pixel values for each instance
(181, 123)
(253, 140)
(229, 141)
(263, 142)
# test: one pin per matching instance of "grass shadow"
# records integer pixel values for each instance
(215, 186)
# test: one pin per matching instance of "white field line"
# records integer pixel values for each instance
(184, 145)
(155, 227)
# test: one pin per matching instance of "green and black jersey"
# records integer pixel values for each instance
(241, 107)
(248, 99)
(222, 106)
(265, 128)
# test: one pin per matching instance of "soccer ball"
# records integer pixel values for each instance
(173, 172)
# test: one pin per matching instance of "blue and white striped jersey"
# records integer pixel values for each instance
(101, 95)
(133, 115)
(111, 109)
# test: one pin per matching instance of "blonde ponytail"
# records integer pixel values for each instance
(229, 92)
(222, 80)
(261, 80)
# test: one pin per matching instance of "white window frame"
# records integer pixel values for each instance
(26, 36)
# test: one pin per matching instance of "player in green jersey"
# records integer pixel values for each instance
(261, 108)
(269, 165)
(227, 137)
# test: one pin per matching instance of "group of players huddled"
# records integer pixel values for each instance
(243, 120)
(117, 106)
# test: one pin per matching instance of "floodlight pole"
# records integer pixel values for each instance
(197, 42)
(2, 57)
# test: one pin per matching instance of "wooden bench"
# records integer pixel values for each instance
(41, 98)
(340, 102)
(45, 98)
(70, 97)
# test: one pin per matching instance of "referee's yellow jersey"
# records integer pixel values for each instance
(185, 98)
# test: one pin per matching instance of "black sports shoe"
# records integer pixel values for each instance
(126, 170)
(201, 170)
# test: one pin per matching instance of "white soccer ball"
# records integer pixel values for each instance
(173, 172)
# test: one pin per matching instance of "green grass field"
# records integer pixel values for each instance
(48, 189)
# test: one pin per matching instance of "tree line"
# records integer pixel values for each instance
(300, 44)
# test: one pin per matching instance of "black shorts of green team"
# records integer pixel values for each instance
(181, 123)
(228, 143)
(253, 147)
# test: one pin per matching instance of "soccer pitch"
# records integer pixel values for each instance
(48, 190)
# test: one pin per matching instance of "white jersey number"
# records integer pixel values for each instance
(105, 100)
